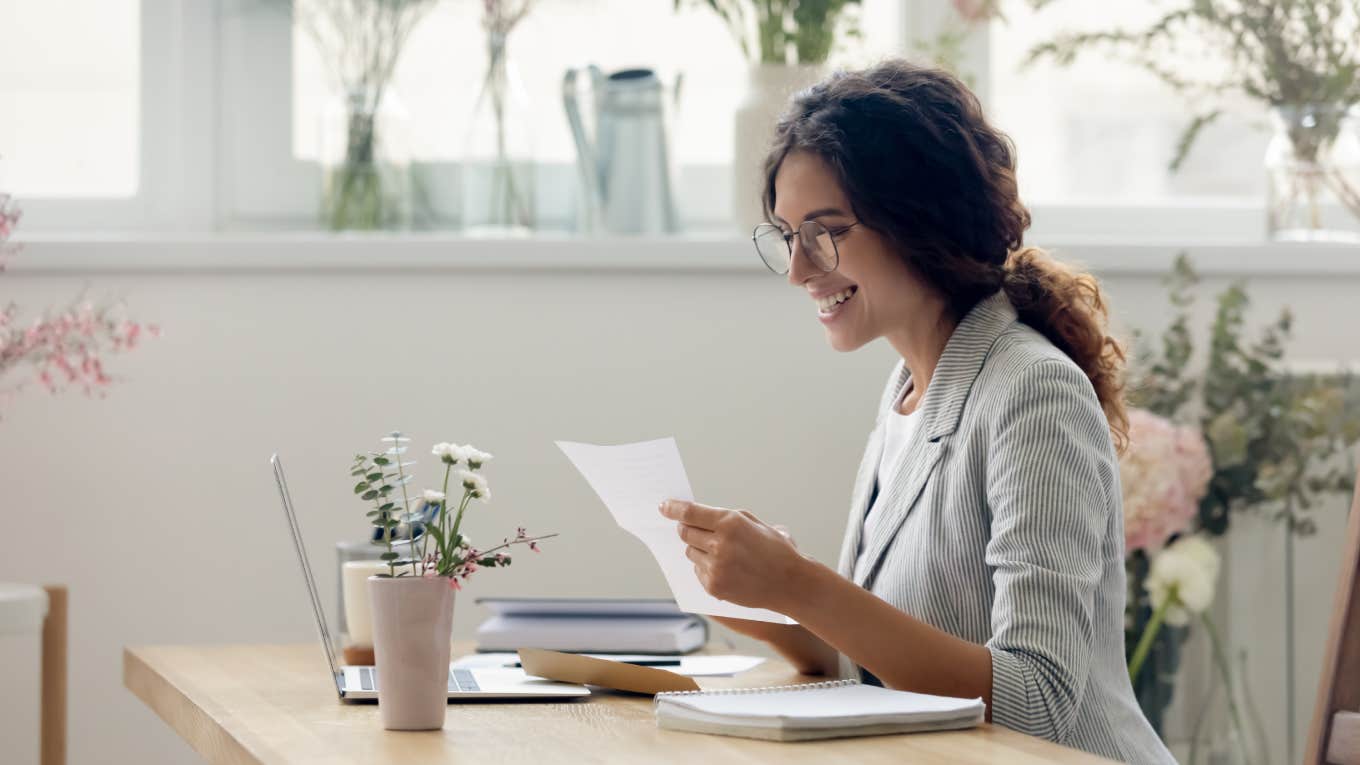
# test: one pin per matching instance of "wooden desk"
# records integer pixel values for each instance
(273, 704)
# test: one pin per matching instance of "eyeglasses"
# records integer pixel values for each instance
(775, 247)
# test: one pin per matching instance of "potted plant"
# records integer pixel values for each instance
(412, 602)
(788, 51)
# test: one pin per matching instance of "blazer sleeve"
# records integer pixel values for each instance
(1051, 479)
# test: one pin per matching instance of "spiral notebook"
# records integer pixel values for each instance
(835, 709)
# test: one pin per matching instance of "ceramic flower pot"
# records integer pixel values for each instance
(768, 89)
(412, 628)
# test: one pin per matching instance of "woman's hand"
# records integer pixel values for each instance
(738, 558)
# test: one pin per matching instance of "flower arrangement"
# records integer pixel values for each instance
(383, 475)
(361, 41)
(1165, 473)
(64, 347)
(1276, 442)
(498, 135)
(1277, 437)
(787, 31)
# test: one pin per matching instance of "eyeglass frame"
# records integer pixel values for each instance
(788, 243)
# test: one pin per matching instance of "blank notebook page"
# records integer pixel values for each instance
(826, 706)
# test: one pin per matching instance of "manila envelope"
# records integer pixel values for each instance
(588, 670)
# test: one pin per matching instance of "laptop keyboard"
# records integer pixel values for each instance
(460, 680)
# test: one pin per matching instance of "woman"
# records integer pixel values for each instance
(984, 551)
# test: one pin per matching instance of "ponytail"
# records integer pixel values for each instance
(1067, 307)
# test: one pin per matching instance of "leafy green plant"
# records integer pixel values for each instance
(382, 475)
(786, 31)
(1280, 53)
(1279, 436)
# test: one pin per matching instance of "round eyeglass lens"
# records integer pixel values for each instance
(772, 247)
(818, 245)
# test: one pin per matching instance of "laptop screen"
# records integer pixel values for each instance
(322, 626)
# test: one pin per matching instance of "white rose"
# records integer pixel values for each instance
(1190, 567)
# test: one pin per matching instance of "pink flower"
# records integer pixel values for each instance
(1165, 472)
(974, 11)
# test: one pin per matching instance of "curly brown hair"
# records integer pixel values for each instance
(922, 166)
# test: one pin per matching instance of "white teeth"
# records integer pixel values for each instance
(830, 300)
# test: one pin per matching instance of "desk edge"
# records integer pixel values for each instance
(185, 716)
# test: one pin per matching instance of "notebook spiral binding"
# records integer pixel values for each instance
(763, 689)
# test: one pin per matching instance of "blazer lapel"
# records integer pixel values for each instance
(868, 473)
(859, 500)
(941, 410)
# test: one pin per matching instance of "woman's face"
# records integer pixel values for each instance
(884, 296)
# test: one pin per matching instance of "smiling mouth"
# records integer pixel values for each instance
(832, 304)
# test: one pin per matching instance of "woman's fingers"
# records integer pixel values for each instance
(693, 513)
(695, 554)
(697, 537)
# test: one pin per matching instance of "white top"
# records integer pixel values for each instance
(897, 432)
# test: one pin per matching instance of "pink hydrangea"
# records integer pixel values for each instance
(1165, 473)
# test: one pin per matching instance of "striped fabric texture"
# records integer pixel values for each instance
(1003, 526)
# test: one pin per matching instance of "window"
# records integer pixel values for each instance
(1102, 132)
(70, 98)
(438, 79)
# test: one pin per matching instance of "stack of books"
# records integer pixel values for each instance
(590, 625)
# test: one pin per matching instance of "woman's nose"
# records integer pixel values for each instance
(800, 265)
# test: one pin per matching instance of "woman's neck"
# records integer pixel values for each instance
(920, 345)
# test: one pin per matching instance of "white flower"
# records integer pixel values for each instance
(450, 454)
(475, 457)
(1190, 567)
(432, 496)
(475, 484)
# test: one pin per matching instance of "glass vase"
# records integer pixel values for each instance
(1313, 172)
(497, 168)
(365, 162)
(1228, 729)
(1155, 685)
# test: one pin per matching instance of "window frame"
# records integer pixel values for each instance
(217, 112)
(177, 67)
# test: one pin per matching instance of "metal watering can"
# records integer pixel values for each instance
(627, 178)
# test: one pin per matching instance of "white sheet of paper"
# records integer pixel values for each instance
(631, 480)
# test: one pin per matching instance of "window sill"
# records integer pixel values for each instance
(427, 252)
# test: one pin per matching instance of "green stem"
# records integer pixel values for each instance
(387, 532)
(1150, 631)
(457, 522)
(405, 501)
(443, 508)
(1221, 662)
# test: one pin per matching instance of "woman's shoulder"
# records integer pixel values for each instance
(1023, 364)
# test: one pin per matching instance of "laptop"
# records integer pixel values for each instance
(355, 683)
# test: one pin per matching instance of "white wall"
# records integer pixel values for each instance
(157, 508)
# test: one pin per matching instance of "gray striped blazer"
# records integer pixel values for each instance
(1003, 526)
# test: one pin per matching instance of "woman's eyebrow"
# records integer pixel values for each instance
(817, 213)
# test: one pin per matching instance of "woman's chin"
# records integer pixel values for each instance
(842, 341)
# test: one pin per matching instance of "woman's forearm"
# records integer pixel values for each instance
(808, 654)
(900, 650)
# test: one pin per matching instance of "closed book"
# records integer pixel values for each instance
(835, 709)
(590, 625)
